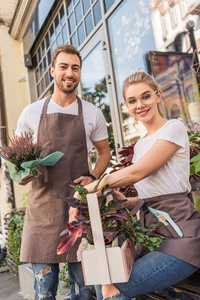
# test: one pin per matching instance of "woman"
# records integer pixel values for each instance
(160, 174)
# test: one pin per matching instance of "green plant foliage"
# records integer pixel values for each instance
(114, 218)
(14, 238)
(197, 204)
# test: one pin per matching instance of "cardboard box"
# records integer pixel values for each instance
(105, 265)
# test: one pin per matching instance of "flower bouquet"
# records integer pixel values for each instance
(23, 157)
(116, 224)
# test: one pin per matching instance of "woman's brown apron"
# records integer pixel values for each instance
(47, 216)
(182, 211)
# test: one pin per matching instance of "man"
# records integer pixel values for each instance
(62, 122)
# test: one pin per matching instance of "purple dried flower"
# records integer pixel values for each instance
(21, 149)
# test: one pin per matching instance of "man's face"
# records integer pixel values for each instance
(66, 72)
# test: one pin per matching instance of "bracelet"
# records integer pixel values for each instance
(91, 176)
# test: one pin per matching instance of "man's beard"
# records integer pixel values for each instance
(65, 91)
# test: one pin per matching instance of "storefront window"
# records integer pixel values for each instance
(94, 90)
(108, 4)
(131, 37)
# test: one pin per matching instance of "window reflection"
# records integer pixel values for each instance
(81, 34)
(94, 89)
(88, 23)
(71, 23)
(86, 5)
(74, 40)
(131, 37)
(108, 4)
(78, 13)
(97, 13)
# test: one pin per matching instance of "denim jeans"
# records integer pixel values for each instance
(152, 272)
(79, 291)
(46, 281)
(47, 278)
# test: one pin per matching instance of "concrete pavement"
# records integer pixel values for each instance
(9, 286)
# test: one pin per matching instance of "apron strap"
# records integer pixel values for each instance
(44, 109)
(80, 108)
(137, 207)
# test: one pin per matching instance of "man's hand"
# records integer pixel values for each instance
(73, 213)
(28, 179)
(83, 180)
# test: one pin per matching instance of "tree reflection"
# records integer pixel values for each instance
(97, 96)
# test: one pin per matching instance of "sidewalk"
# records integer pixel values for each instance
(9, 286)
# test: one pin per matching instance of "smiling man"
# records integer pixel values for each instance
(61, 122)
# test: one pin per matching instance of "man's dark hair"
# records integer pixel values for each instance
(69, 49)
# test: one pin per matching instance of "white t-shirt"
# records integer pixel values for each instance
(94, 121)
(173, 177)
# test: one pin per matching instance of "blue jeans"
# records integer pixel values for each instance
(46, 281)
(152, 272)
(47, 278)
(78, 290)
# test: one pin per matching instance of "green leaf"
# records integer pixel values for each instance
(197, 204)
(195, 158)
(197, 168)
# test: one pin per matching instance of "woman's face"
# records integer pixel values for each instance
(141, 101)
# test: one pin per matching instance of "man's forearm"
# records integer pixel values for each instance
(101, 164)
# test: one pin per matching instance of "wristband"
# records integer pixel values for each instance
(92, 177)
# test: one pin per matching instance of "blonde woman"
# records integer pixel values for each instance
(160, 174)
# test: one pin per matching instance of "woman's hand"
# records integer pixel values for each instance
(73, 213)
(118, 195)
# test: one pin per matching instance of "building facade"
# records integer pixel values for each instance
(115, 38)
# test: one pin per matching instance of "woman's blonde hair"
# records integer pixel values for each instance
(143, 77)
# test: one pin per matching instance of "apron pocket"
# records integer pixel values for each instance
(39, 205)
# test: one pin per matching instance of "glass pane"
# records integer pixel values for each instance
(69, 6)
(108, 4)
(47, 40)
(47, 79)
(74, 40)
(43, 48)
(52, 33)
(88, 23)
(39, 54)
(64, 32)
(44, 64)
(94, 90)
(71, 23)
(78, 13)
(81, 34)
(62, 16)
(43, 84)
(75, 1)
(51, 78)
(178, 83)
(57, 25)
(53, 47)
(37, 75)
(41, 70)
(59, 39)
(49, 57)
(86, 5)
(38, 90)
(131, 36)
(97, 12)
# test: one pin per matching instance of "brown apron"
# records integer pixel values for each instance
(182, 211)
(47, 216)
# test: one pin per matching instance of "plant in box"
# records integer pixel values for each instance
(116, 222)
(24, 156)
